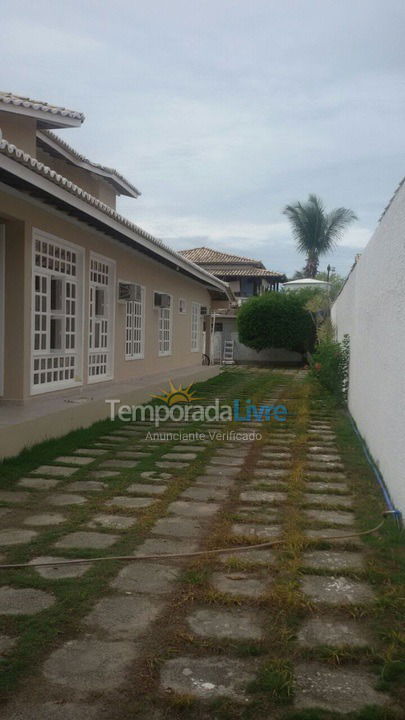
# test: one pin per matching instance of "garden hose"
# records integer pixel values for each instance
(199, 553)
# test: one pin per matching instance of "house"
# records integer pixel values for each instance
(246, 277)
(87, 298)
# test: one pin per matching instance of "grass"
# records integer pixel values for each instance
(283, 608)
(38, 635)
(275, 679)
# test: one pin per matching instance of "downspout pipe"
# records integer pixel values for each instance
(391, 507)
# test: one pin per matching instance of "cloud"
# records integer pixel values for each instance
(355, 237)
(223, 112)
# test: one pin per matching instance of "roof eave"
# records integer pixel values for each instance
(122, 187)
(46, 120)
(267, 276)
(105, 223)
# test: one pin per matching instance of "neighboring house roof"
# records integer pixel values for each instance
(226, 265)
(48, 116)
(21, 171)
(202, 255)
(56, 146)
(229, 271)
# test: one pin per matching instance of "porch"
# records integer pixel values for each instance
(54, 415)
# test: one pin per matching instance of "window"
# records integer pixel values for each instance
(165, 329)
(182, 306)
(195, 327)
(134, 326)
(56, 322)
(101, 318)
(56, 334)
(100, 304)
(56, 294)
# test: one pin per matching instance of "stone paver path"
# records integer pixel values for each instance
(156, 497)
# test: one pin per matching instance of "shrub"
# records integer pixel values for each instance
(329, 365)
(277, 320)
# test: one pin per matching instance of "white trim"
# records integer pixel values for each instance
(168, 352)
(2, 301)
(196, 341)
(109, 350)
(48, 117)
(135, 234)
(141, 355)
(78, 280)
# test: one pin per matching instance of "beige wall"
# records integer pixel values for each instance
(93, 184)
(20, 131)
(130, 266)
(219, 304)
(234, 285)
(15, 335)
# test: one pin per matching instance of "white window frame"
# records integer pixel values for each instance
(182, 312)
(141, 354)
(2, 300)
(108, 349)
(165, 353)
(46, 356)
(195, 327)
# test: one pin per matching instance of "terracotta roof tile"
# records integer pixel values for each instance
(202, 255)
(226, 265)
(232, 271)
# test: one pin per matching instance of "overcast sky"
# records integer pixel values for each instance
(222, 111)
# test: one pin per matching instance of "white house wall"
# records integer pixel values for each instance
(371, 309)
(243, 354)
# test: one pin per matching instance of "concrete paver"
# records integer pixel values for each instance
(79, 676)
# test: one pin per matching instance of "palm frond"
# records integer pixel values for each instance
(316, 231)
(336, 223)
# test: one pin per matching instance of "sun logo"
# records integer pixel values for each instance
(178, 395)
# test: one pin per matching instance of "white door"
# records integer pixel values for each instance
(2, 300)
(101, 318)
(217, 352)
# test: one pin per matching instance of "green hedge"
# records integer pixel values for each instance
(277, 320)
(330, 365)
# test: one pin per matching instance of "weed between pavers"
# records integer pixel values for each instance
(75, 597)
(285, 606)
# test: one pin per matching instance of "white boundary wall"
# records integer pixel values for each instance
(371, 309)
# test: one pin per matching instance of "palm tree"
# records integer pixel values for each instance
(315, 230)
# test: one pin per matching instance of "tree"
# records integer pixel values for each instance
(335, 281)
(315, 230)
(277, 320)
